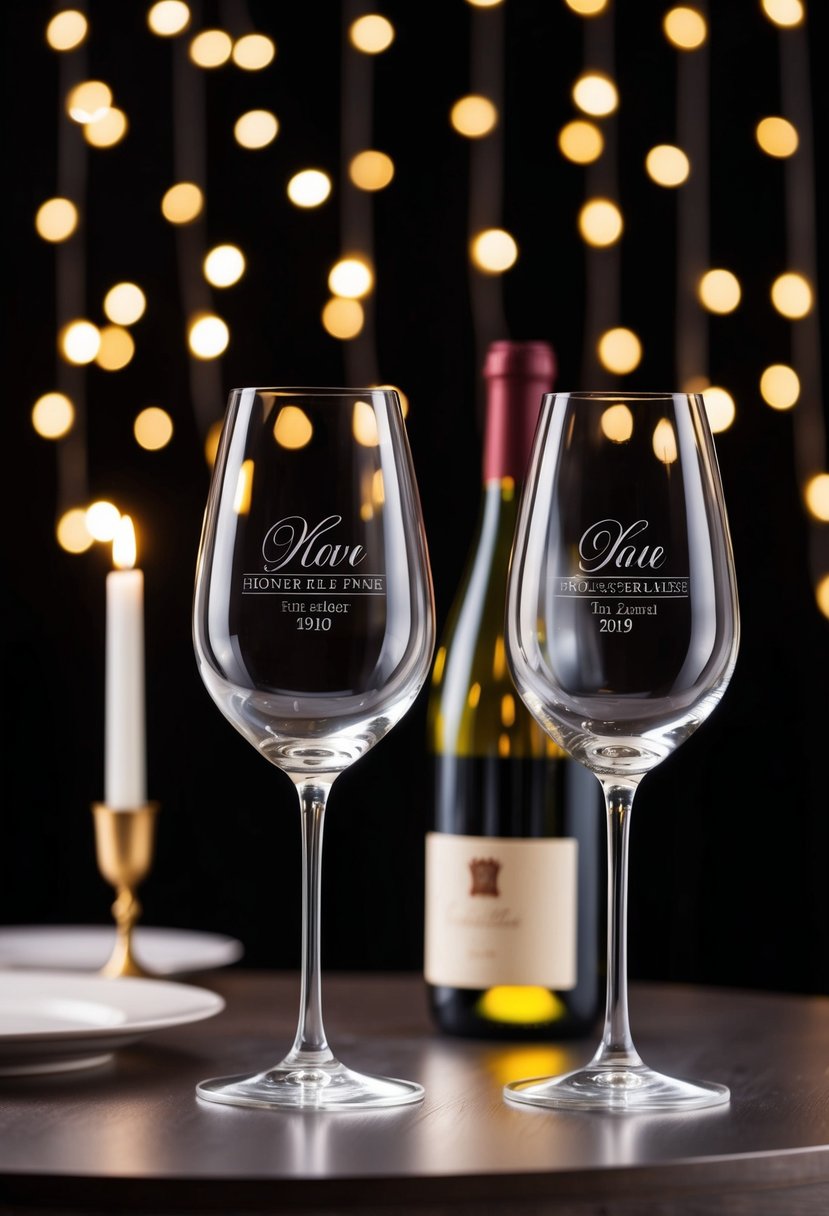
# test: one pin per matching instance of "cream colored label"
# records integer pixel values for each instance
(500, 911)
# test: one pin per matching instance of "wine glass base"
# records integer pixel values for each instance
(321, 1087)
(631, 1089)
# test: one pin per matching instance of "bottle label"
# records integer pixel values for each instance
(500, 910)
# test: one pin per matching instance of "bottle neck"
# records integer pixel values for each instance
(513, 405)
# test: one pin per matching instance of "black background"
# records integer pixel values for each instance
(730, 840)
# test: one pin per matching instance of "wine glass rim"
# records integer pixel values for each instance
(306, 390)
(620, 395)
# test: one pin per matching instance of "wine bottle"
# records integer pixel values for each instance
(513, 851)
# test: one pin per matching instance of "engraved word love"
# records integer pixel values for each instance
(292, 537)
(606, 543)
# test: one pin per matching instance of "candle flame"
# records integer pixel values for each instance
(123, 544)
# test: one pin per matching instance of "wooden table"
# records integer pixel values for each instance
(130, 1136)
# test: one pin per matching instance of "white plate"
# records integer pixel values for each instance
(57, 1020)
(164, 952)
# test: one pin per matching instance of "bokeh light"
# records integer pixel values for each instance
(786, 13)
(371, 34)
(791, 295)
(600, 222)
(208, 336)
(351, 277)
(587, 8)
(473, 116)
(780, 386)
(211, 49)
(124, 304)
(56, 219)
(685, 28)
(53, 415)
(252, 52)
(595, 93)
(168, 18)
(79, 342)
(182, 203)
(580, 141)
(256, 128)
(342, 318)
(617, 422)
(107, 131)
(667, 165)
(371, 170)
(116, 349)
(822, 595)
(224, 265)
(153, 428)
(484, 3)
(619, 350)
(719, 407)
(66, 30)
(719, 291)
(364, 424)
(494, 250)
(664, 442)
(816, 494)
(88, 101)
(309, 188)
(293, 428)
(777, 136)
(211, 442)
(102, 519)
(72, 532)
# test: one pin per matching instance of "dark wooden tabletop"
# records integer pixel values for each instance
(130, 1135)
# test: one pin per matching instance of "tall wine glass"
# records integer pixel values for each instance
(622, 632)
(313, 630)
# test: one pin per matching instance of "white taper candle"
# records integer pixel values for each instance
(125, 775)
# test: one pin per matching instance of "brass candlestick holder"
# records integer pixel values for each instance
(124, 844)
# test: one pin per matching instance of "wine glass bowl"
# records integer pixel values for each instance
(621, 634)
(313, 627)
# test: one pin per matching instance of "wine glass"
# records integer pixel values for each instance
(313, 628)
(621, 634)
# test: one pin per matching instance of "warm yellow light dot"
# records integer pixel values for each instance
(351, 277)
(494, 250)
(364, 424)
(211, 442)
(371, 34)
(116, 349)
(102, 519)
(600, 222)
(719, 291)
(79, 342)
(587, 8)
(484, 3)
(89, 101)
(667, 165)
(516, 1005)
(685, 28)
(473, 116)
(211, 48)
(56, 219)
(125, 303)
(791, 295)
(719, 407)
(596, 94)
(508, 709)
(253, 52)
(66, 30)
(378, 488)
(108, 130)
(822, 595)
(777, 137)
(72, 532)
(343, 318)
(153, 428)
(224, 265)
(784, 12)
(256, 129)
(371, 170)
(619, 350)
(816, 494)
(168, 18)
(53, 415)
(780, 386)
(293, 428)
(244, 488)
(182, 203)
(208, 336)
(309, 188)
(617, 422)
(664, 442)
(581, 142)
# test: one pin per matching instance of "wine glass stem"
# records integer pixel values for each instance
(310, 1045)
(617, 1045)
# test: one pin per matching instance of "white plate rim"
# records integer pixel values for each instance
(92, 944)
